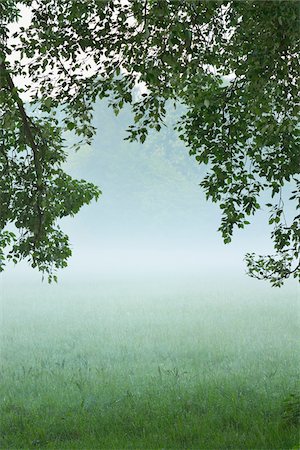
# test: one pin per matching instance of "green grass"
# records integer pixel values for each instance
(102, 368)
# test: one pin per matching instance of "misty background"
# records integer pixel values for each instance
(152, 219)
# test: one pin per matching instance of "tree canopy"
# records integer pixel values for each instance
(232, 65)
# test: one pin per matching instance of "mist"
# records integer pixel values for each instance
(152, 218)
(154, 336)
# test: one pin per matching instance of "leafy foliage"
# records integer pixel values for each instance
(35, 191)
(149, 52)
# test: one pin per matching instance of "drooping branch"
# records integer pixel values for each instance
(10, 86)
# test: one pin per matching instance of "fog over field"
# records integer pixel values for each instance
(152, 217)
(154, 337)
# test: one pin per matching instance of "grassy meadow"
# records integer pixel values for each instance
(119, 366)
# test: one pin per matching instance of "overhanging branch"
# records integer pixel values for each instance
(10, 86)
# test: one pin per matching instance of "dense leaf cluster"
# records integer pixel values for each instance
(35, 192)
(233, 65)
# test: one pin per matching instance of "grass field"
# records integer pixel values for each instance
(102, 367)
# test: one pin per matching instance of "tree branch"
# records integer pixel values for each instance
(31, 141)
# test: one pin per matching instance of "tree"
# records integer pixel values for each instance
(245, 129)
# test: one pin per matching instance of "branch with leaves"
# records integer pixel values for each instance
(35, 191)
